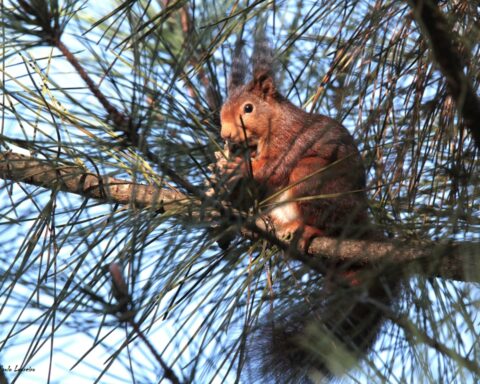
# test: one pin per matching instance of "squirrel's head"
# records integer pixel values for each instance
(248, 113)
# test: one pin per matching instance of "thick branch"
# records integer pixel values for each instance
(441, 40)
(459, 261)
(75, 179)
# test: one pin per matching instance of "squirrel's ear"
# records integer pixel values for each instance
(239, 67)
(264, 84)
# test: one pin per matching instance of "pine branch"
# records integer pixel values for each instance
(441, 39)
(121, 121)
(456, 261)
(73, 178)
(46, 24)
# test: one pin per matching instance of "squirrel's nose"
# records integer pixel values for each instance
(226, 131)
(225, 135)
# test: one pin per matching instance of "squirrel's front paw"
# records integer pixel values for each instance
(299, 234)
(222, 173)
(231, 170)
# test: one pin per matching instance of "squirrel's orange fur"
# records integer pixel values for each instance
(306, 155)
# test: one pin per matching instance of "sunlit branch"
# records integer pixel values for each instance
(75, 179)
(456, 261)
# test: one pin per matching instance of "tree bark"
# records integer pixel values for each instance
(75, 179)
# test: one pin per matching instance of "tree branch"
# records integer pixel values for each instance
(75, 179)
(458, 261)
(441, 39)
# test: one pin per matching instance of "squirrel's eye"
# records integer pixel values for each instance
(248, 108)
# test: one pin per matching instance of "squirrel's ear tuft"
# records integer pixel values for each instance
(239, 67)
(264, 85)
(263, 64)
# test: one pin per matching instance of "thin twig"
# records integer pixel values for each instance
(126, 312)
(169, 374)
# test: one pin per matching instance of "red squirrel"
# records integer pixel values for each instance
(311, 175)
(310, 161)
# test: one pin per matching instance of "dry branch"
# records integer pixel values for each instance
(459, 261)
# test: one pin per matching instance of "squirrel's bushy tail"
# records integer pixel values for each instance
(319, 334)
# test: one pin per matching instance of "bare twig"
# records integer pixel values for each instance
(169, 374)
(121, 294)
(121, 121)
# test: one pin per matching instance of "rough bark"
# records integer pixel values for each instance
(75, 179)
